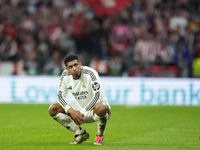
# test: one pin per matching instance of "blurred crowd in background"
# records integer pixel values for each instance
(147, 38)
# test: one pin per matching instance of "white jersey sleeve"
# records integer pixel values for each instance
(62, 92)
(96, 89)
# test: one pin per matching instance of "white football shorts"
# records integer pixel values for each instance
(88, 117)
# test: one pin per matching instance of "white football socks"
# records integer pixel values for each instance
(101, 122)
(68, 123)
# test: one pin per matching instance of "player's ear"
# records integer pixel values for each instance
(80, 63)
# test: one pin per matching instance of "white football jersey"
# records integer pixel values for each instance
(87, 90)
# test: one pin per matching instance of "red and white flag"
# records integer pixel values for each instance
(106, 7)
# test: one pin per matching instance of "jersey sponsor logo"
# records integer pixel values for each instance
(80, 93)
(83, 85)
(81, 97)
(96, 86)
(60, 85)
(70, 88)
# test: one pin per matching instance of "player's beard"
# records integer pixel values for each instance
(77, 75)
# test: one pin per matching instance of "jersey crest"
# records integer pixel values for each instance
(83, 85)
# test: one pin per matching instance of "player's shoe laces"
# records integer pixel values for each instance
(79, 138)
(99, 140)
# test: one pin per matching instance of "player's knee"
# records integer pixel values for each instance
(53, 109)
(101, 109)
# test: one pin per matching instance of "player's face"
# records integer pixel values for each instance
(74, 67)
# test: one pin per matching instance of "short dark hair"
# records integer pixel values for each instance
(70, 57)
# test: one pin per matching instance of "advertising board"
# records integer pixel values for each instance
(119, 90)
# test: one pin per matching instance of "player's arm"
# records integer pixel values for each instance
(96, 92)
(62, 93)
(75, 115)
(61, 97)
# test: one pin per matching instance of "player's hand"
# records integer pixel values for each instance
(77, 116)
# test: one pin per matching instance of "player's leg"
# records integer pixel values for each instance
(101, 116)
(58, 114)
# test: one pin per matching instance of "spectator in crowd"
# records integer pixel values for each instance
(178, 22)
(8, 49)
(80, 30)
(53, 65)
(97, 39)
(183, 59)
(115, 66)
(67, 43)
(165, 52)
(43, 44)
(145, 49)
(32, 63)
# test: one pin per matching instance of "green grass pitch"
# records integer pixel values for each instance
(29, 127)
